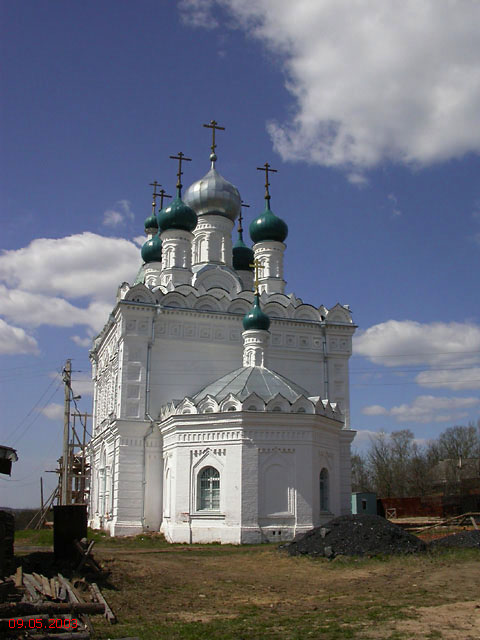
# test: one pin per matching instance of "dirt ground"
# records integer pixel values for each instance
(259, 592)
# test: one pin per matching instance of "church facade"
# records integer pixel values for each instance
(221, 402)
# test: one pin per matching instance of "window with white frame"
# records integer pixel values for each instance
(209, 489)
(324, 490)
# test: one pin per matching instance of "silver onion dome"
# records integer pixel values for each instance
(213, 195)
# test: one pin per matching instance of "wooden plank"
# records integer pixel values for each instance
(30, 588)
(33, 580)
(19, 576)
(98, 596)
(38, 578)
(85, 552)
(46, 587)
(73, 593)
(76, 597)
(86, 557)
(474, 522)
(54, 588)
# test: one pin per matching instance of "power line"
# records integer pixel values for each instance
(35, 417)
(410, 355)
(32, 409)
(430, 384)
(415, 370)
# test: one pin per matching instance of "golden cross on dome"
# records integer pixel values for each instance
(240, 217)
(213, 126)
(266, 167)
(257, 265)
(155, 184)
(181, 157)
(163, 194)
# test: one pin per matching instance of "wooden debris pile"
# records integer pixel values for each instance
(465, 519)
(41, 608)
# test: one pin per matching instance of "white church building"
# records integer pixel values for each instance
(221, 402)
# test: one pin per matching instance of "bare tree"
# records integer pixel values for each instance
(361, 480)
(397, 466)
(380, 463)
(459, 443)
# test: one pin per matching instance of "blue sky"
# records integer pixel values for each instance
(369, 111)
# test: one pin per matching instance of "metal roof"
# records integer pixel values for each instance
(246, 380)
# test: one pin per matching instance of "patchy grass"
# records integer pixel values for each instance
(42, 537)
(161, 591)
(233, 593)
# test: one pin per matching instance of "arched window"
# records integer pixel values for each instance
(209, 489)
(324, 490)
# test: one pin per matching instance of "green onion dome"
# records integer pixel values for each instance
(255, 318)
(243, 256)
(268, 227)
(177, 215)
(151, 222)
(152, 249)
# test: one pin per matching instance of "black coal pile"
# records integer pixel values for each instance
(464, 539)
(355, 535)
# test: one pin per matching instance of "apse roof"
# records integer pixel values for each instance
(246, 380)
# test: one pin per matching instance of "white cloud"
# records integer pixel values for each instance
(119, 215)
(363, 438)
(451, 351)
(452, 417)
(41, 280)
(14, 340)
(82, 342)
(393, 199)
(374, 410)
(371, 81)
(53, 411)
(426, 409)
(84, 264)
(35, 309)
(82, 384)
(139, 240)
(396, 342)
(450, 378)
(197, 13)
(357, 178)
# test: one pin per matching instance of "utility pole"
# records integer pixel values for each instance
(67, 380)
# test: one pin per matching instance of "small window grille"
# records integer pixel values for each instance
(209, 489)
